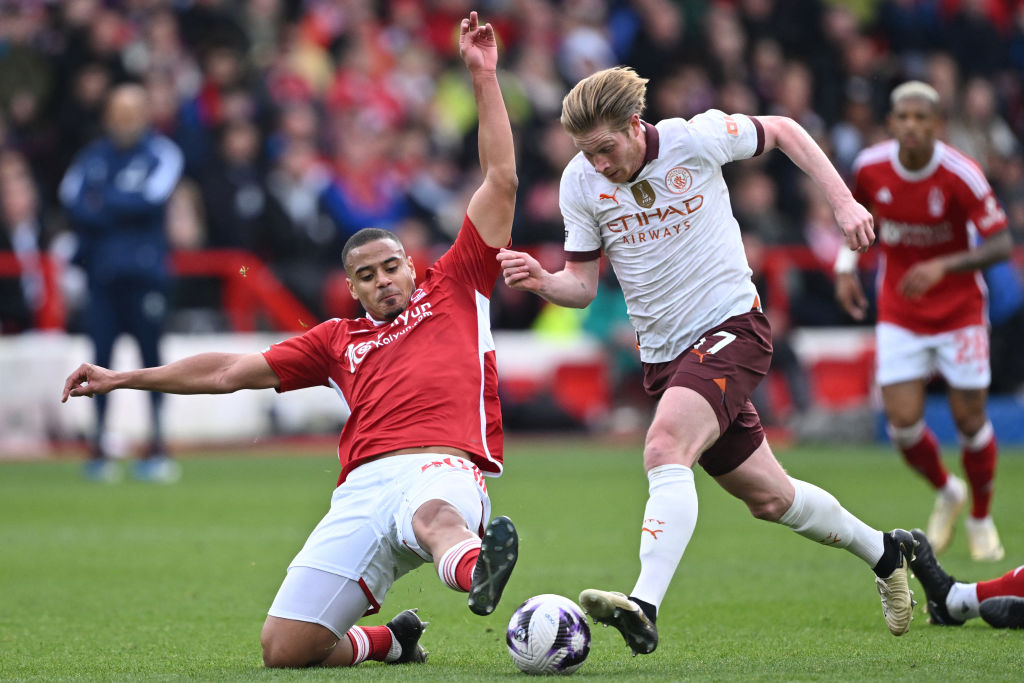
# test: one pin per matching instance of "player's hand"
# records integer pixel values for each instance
(520, 270)
(478, 46)
(850, 295)
(921, 277)
(857, 225)
(88, 380)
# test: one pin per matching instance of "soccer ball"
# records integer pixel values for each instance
(548, 634)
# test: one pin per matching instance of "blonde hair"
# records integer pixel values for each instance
(607, 97)
(918, 89)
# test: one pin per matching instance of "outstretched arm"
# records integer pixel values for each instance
(493, 204)
(205, 373)
(854, 220)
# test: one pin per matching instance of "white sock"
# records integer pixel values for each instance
(905, 437)
(962, 601)
(396, 649)
(669, 520)
(817, 515)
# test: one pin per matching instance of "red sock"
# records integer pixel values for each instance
(369, 642)
(464, 570)
(1010, 583)
(980, 468)
(455, 567)
(924, 458)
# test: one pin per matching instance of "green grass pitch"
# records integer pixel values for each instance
(142, 582)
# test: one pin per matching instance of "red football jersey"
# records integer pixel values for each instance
(427, 378)
(923, 214)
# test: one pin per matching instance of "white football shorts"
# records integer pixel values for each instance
(367, 537)
(960, 356)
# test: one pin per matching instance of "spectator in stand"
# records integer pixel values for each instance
(20, 233)
(980, 132)
(929, 199)
(301, 235)
(200, 115)
(209, 63)
(115, 193)
(234, 192)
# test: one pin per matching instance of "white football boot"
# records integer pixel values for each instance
(983, 540)
(948, 503)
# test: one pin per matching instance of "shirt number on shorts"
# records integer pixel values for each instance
(727, 338)
(971, 345)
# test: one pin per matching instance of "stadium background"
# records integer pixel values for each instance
(302, 122)
(357, 113)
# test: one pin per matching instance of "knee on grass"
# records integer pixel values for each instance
(286, 651)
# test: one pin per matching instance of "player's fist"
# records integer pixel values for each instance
(520, 270)
(857, 225)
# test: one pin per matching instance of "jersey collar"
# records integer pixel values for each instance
(653, 141)
(903, 172)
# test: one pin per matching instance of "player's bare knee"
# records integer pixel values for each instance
(278, 653)
(662, 448)
(290, 644)
(769, 507)
(970, 425)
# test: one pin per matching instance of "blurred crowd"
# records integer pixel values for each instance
(301, 122)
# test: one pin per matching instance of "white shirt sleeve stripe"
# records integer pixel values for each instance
(71, 185)
(165, 176)
(964, 169)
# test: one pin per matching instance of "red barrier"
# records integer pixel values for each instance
(250, 287)
(51, 312)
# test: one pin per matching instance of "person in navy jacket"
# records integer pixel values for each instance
(116, 192)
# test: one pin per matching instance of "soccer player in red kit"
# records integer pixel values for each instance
(418, 374)
(999, 601)
(939, 226)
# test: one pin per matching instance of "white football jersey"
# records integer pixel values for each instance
(670, 233)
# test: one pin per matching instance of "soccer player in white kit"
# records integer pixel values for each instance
(653, 199)
(932, 204)
(418, 374)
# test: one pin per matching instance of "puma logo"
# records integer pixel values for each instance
(652, 532)
(611, 196)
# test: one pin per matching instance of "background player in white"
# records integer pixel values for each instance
(932, 203)
(653, 199)
(418, 374)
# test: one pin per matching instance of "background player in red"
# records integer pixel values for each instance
(419, 376)
(932, 204)
(1000, 602)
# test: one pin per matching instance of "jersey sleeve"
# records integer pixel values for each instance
(987, 214)
(471, 260)
(302, 361)
(728, 137)
(582, 233)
